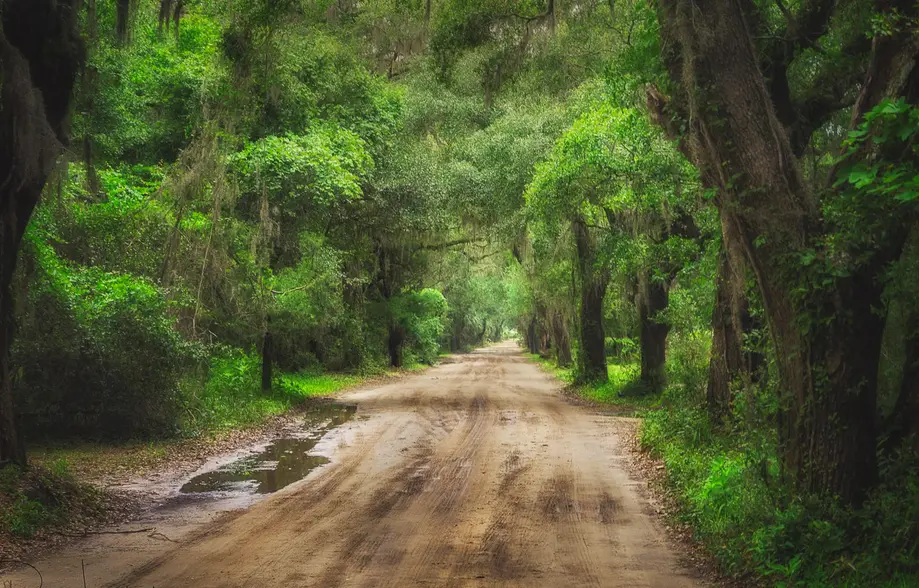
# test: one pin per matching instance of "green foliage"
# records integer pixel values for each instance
(231, 396)
(423, 316)
(116, 355)
(146, 99)
(729, 494)
(43, 499)
(300, 172)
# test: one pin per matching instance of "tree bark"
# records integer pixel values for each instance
(532, 338)
(561, 339)
(904, 419)
(39, 55)
(394, 344)
(727, 359)
(653, 334)
(267, 360)
(593, 282)
(828, 373)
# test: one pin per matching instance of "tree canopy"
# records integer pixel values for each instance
(706, 207)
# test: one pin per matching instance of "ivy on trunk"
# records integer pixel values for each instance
(828, 340)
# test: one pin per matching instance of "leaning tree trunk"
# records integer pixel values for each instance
(39, 51)
(828, 373)
(592, 356)
(653, 298)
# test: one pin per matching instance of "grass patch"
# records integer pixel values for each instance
(617, 391)
(232, 396)
(295, 386)
(728, 491)
(43, 499)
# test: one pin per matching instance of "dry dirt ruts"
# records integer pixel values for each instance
(475, 473)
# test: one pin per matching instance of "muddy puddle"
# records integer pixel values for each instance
(283, 462)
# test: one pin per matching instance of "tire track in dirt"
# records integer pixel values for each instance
(475, 473)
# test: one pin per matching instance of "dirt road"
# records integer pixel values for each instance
(475, 473)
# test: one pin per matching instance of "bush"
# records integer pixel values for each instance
(39, 498)
(423, 316)
(97, 353)
(729, 492)
(622, 348)
(231, 394)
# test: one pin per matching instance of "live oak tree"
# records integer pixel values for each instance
(39, 53)
(628, 197)
(821, 282)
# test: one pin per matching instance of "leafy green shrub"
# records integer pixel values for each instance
(423, 315)
(232, 394)
(687, 363)
(98, 353)
(25, 517)
(622, 348)
(39, 498)
(729, 492)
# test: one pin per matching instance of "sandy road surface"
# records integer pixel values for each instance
(476, 473)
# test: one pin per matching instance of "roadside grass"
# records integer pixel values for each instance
(619, 391)
(228, 409)
(727, 486)
(45, 499)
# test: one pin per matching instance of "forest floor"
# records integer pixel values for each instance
(474, 473)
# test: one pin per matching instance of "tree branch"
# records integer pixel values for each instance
(447, 244)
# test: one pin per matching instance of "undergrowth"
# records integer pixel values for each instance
(728, 489)
(232, 397)
(43, 499)
(616, 391)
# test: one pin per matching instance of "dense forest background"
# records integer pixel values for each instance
(707, 209)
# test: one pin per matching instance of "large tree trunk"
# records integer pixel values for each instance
(828, 372)
(561, 339)
(39, 53)
(593, 282)
(653, 298)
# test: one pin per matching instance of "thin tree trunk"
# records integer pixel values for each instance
(653, 334)
(562, 340)
(267, 359)
(592, 356)
(12, 447)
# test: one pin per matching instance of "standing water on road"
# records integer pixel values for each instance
(283, 462)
